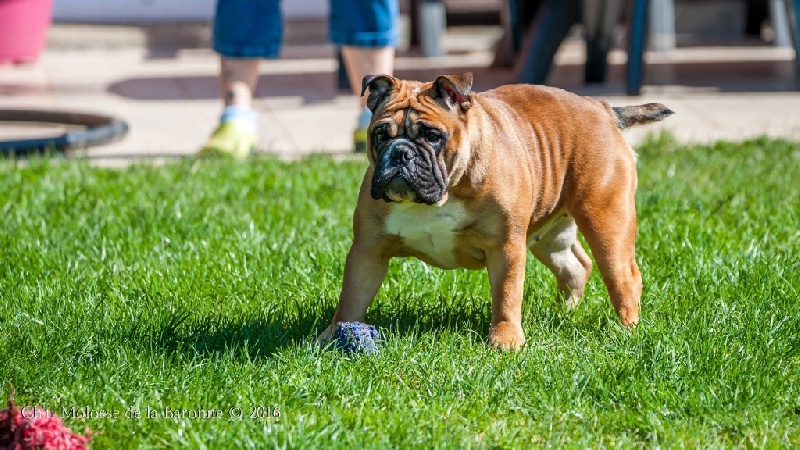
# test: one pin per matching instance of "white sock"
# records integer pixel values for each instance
(364, 118)
(241, 115)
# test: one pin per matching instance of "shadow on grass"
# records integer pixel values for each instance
(462, 314)
(252, 338)
(276, 328)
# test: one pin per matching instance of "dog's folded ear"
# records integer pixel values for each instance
(455, 89)
(379, 87)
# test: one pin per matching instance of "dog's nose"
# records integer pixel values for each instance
(402, 153)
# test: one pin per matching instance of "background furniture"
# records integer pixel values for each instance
(637, 36)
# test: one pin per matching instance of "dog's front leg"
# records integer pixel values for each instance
(506, 268)
(364, 271)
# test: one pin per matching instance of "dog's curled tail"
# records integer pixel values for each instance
(629, 116)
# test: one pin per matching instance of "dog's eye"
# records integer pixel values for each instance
(381, 135)
(433, 136)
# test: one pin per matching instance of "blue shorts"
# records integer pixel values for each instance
(254, 28)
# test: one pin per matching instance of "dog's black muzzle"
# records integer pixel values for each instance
(406, 172)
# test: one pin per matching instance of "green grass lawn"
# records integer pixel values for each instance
(197, 285)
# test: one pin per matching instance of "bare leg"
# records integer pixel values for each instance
(236, 135)
(238, 79)
(362, 61)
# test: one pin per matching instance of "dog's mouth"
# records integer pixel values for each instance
(398, 190)
(406, 172)
(394, 187)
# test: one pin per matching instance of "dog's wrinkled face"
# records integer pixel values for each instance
(418, 140)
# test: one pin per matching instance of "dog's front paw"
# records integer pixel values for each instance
(629, 316)
(324, 338)
(506, 336)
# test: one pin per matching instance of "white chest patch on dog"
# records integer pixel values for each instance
(428, 229)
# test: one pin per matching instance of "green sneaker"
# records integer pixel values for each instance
(360, 140)
(230, 140)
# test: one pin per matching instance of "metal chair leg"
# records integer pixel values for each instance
(636, 40)
(514, 25)
(793, 11)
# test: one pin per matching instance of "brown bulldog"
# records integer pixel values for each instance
(464, 179)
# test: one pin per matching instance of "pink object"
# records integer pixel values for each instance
(23, 29)
(36, 429)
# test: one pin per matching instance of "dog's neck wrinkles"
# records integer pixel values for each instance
(430, 230)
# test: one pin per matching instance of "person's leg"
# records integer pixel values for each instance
(366, 31)
(600, 20)
(363, 61)
(551, 26)
(238, 78)
(244, 33)
(360, 62)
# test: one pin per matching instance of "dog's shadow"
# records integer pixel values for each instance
(279, 327)
(271, 332)
(252, 337)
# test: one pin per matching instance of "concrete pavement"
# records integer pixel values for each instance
(171, 98)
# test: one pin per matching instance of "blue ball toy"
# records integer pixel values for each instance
(356, 337)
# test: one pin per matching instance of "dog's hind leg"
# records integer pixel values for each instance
(607, 219)
(559, 249)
